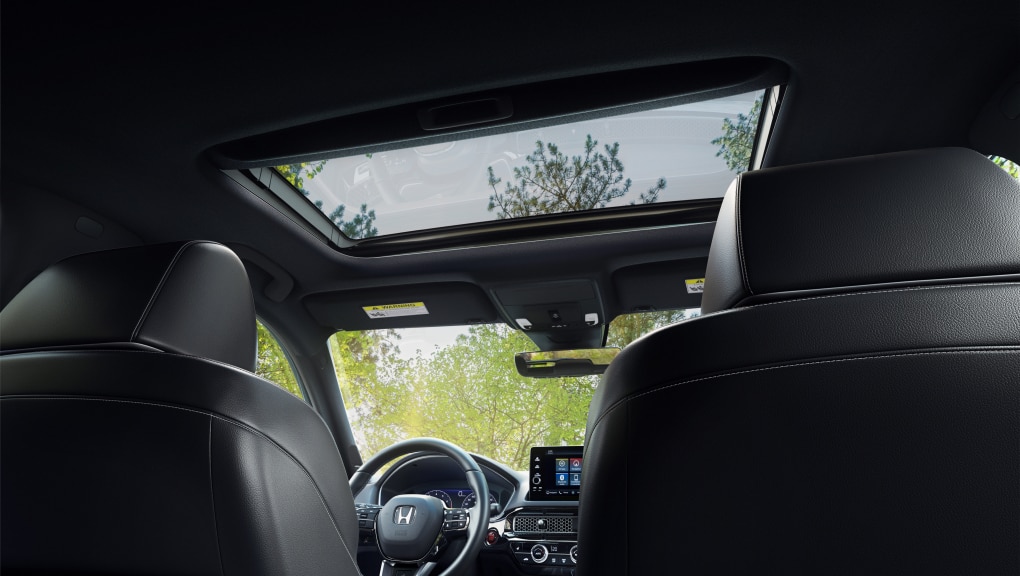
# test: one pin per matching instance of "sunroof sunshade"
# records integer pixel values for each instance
(685, 152)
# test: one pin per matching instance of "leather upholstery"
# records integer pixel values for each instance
(905, 217)
(191, 298)
(121, 457)
(857, 420)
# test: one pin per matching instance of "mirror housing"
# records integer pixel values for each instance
(556, 363)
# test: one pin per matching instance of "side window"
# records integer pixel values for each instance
(1008, 165)
(273, 365)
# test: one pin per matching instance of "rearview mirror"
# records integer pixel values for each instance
(557, 363)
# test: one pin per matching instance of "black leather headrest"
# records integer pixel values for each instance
(188, 298)
(901, 218)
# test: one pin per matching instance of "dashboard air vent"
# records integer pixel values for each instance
(557, 524)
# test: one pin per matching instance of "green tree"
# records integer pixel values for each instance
(470, 394)
(362, 225)
(272, 364)
(296, 173)
(737, 140)
(627, 328)
(366, 365)
(552, 182)
(1012, 168)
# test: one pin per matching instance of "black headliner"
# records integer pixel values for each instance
(115, 111)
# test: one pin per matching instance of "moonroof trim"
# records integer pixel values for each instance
(275, 191)
(302, 212)
(543, 227)
(593, 96)
(420, 203)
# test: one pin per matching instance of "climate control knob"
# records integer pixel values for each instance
(539, 553)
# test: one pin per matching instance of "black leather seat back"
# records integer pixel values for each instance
(825, 421)
(134, 445)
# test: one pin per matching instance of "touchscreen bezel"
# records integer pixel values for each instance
(547, 481)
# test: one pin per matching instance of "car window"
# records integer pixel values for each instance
(1009, 166)
(273, 365)
(460, 384)
(681, 152)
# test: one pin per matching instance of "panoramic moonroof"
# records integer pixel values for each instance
(670, 154)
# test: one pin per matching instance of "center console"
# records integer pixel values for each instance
(543, 536)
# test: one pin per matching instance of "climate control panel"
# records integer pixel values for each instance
(543, 540)
(544, 552)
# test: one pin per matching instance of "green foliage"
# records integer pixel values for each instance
(627, 328)
(552, 182)
(295, 173)
(361, 226)
(737, 141)
(468, 393)
(272, 364)
(360, 360)
(1012, 168)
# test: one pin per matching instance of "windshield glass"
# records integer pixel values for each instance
(685, 152)
(460, 384)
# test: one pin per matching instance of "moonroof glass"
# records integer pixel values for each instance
(671, 154)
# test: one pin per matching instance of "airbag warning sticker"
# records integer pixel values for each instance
(695, 285)
(394, 310)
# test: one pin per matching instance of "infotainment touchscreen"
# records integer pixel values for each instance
(555, 472)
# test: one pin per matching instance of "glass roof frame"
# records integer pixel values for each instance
(556, 169)
(287, 189)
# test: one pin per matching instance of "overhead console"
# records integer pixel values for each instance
(556, 315)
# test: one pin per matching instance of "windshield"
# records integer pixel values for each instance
(460, 384)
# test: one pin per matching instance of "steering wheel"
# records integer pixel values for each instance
(411, 529)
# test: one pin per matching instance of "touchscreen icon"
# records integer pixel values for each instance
(561, 479)
(575, 479)
(561, 464)
(575, 464)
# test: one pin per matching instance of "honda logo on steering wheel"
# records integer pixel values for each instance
(403, 515)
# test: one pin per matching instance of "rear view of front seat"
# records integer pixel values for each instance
(135, 439)
(850, 401)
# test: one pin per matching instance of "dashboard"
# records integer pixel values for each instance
(533, 524)
(438, 476)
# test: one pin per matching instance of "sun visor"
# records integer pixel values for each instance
(437, 304)
(660, 285)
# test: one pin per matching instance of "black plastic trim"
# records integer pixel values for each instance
(541, 228)
(522, 107)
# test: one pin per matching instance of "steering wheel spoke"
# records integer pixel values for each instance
(412, 530)
(367, 514)
(406, 569)
(455, 521)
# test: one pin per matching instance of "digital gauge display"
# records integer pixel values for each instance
(457, 498)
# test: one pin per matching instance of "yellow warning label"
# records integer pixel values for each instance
(393, 310)
(695, 285)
